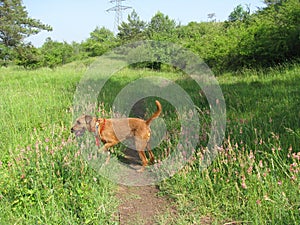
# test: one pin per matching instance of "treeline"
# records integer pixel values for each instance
(267, 37)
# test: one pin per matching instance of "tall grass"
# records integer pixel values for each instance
(43, 178)
(255, 178)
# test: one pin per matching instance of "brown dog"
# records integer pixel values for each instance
(113, 131)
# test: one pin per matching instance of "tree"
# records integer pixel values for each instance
(270, 37)
(99, 42)
(161, 28)
(272, 2)
(15, 25)
(133, 30)
(239, 14)
(211, 17)
(56, 53)
(28, 56)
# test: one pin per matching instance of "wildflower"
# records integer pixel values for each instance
(293, 167)
(266, 198)
(37, 146)
(258, 202)
(249, 171)
(47, 140)
(279, 182)
(296, 156)
(244, 186)
(251, 155)
(77, 154)
(95, 179)
(236, 145)
(264, 174)
(260, 164)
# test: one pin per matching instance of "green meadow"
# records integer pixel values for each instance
(254, 179)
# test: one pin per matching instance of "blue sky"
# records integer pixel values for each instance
(73, 20)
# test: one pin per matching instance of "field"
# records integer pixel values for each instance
(254, 179)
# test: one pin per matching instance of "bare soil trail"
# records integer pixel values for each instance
(141, 204)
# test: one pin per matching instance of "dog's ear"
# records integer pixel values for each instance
(88, 119)
(90, 123)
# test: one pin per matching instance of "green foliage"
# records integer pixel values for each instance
(272, 37)
(238, 14)
(15, 25)
(6, 55)
(255, 177)
(161, 28)
(100, 41)
(56, 53)
(133, 29)
(267, 37)
(272, 2)
(44, 179)
(28, 56)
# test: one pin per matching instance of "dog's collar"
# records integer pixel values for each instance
(98, 132)
(103, 126)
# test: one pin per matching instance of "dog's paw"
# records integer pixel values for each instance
(141, 169)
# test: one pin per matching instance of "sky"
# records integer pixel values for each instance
(74, 20)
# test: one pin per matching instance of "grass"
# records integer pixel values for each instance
(255, 178)
(43, 179)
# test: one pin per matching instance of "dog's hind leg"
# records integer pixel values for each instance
(151, 155)
(140, 147)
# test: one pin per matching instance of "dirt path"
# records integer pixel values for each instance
(141, 204)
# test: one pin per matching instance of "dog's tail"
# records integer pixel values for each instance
(156, 114)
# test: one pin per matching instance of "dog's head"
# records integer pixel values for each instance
(83, 123)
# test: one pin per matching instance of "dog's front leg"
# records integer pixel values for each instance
(104, 149)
